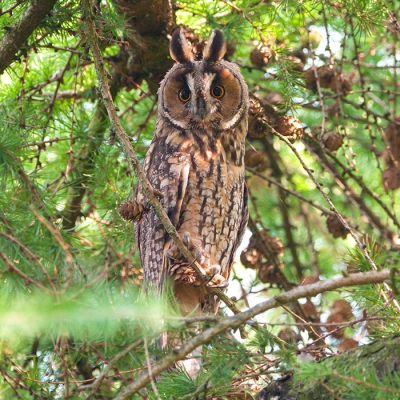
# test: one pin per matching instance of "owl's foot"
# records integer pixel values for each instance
(184, 272)
(216, 280)
(174, 253)
(132, 210)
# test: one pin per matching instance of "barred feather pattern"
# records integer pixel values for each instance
(196, 160)
(204, 196)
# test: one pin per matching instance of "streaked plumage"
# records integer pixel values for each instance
(196, 161)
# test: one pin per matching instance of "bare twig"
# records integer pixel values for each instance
(292, 192)
(27, 279)
(32, 257)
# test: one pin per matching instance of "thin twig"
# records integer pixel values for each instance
(59, 239)
(292, 192)
(12, 267)
(326, 197)
(146, 352)
(34, 258)
(96, 384)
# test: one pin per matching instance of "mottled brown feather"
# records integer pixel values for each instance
(196, 160)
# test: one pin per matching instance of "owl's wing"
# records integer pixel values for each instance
(168, 173)
(241, 231)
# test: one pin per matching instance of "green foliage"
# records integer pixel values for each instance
(177, 384)
(261, 340)
(351, 380)
(71, 295)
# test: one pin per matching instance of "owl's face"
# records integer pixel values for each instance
(202, 94)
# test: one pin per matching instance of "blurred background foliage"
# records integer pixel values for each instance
(324, 74)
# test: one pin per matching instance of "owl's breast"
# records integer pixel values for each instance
(213, 205)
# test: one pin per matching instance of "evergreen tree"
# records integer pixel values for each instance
(318, 270)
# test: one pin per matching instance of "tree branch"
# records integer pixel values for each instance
(236, 320)
(15, 38)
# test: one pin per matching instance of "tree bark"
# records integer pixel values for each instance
(148, 23)
(15, 38)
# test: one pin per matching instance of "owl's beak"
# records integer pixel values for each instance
(201, 108)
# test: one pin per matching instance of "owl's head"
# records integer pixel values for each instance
(210, 93)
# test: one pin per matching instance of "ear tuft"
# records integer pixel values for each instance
(215, 48)
(179, 48)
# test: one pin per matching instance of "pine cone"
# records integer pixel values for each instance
(391, 178)
(183, 273)
(289, 336)
(251, 257)
(347, 344)
(326, 74)
(336, 317)
(391, 154)
(260, 57)
(131, 210)
(258, 120)
(274, 243)
(309, 309)
(256, 159)
(268, 274)
(299, 53)
(336, 227)
(331, 140)
(288, 125)
(341, 83)
(297, 63)
(343, 307)
(328, 78)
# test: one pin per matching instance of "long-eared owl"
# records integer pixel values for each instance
(196, 161)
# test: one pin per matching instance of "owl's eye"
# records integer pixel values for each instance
(184, 95)
(217, 91)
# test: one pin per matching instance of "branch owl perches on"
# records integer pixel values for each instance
(196, 162)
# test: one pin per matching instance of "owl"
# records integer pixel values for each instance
(196, 162)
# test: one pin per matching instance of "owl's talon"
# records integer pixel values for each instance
(170, 256)
(197, 285)
(220, 281)
(215, 269)
(212, 271)
(220, 286)
(186, 236)
(198, 254)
